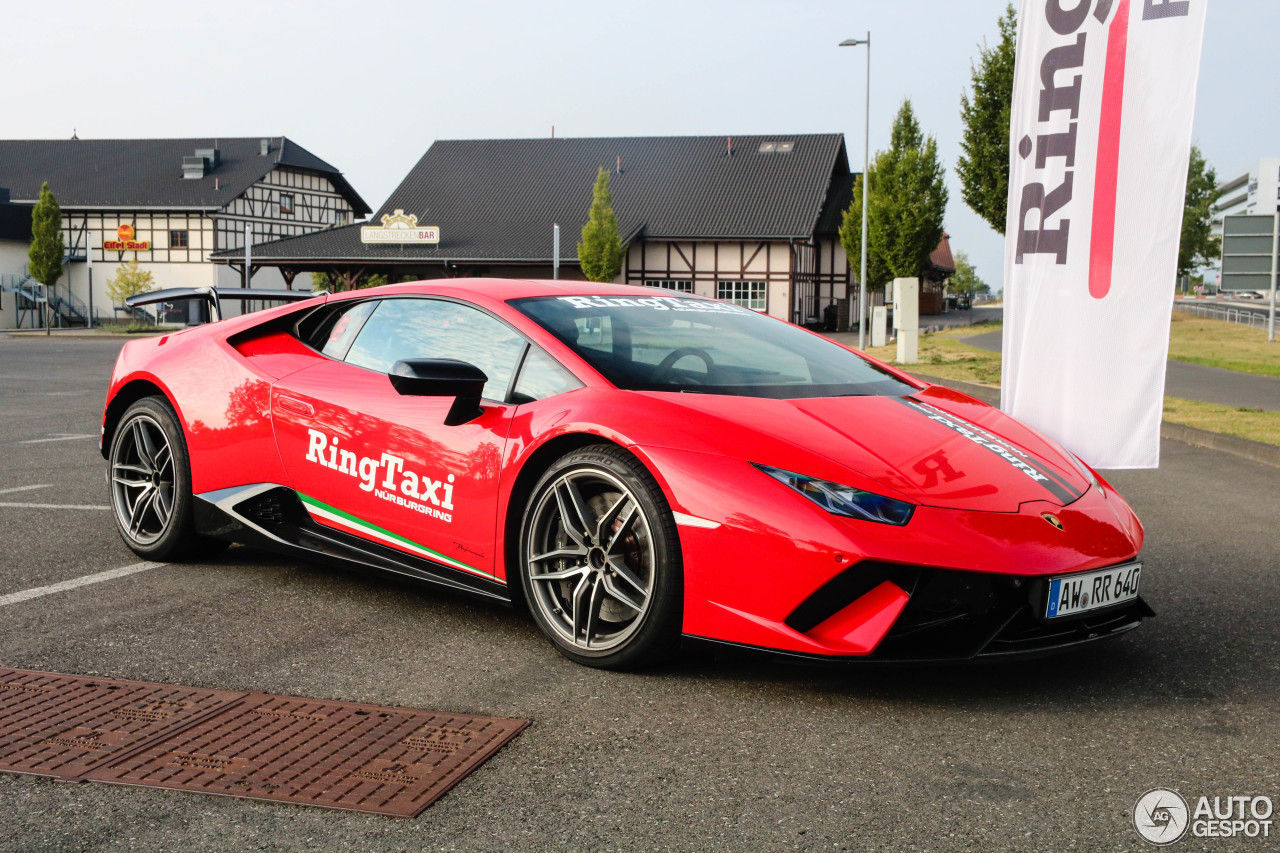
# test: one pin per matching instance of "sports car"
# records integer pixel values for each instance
(636, 467)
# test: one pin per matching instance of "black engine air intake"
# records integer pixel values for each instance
(845, 588)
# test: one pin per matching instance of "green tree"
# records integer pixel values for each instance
(128, 281)
(965, 279)
(1198, 245)
(333, 284)
(601, 251)
(905, 209)
(851, 232)
(47, 246)
(983, 166)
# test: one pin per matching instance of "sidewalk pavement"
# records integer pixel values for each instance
(936, 322)
(1192, 381)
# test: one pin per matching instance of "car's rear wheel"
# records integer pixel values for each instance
(150, 479)
(600, 560)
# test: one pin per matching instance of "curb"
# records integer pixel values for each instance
(75, 336)
(1254, 451)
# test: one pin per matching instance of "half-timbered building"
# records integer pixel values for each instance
(170, 204)
(751, 219)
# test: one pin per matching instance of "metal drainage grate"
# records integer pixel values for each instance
(340, 755)
(65, 725)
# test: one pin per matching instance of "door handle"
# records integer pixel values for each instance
(296, 407)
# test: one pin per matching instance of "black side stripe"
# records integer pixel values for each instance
(1051, 480)
(1052, 473)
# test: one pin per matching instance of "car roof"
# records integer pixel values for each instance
(503, 289)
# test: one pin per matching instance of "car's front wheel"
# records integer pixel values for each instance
(600, 560)
(150, 479)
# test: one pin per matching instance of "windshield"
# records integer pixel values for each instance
(673, 343)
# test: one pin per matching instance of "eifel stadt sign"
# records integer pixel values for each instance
(398, 228)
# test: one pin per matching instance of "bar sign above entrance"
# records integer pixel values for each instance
(399, 228)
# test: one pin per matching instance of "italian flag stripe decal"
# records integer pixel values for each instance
(331, 516)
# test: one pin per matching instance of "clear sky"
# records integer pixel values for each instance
(368, 86)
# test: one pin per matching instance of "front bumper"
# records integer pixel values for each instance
(967, 615)
(942, 615)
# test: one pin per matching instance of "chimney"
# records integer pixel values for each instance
(618, 167)
(193, 168)
(728, 145)
(264, 147)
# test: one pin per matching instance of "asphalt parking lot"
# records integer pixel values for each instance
(711, 753)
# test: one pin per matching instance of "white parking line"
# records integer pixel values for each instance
(53, 506)
(24, 488)
(37, 592)
(62, 436)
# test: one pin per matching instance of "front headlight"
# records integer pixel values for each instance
(844, 500)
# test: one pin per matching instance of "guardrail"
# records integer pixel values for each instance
(1242, 316)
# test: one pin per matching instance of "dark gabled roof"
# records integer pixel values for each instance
(496, 199)
(148, 172)
(940, 259)
(838, 201)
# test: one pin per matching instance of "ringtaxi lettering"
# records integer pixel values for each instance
(401, 486)
(655, 303)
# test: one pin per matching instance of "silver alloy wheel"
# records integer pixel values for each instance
(142, 480)
(590, 557)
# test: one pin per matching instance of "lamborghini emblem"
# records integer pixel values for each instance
(1052, 519)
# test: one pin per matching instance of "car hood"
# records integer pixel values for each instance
(935, 448)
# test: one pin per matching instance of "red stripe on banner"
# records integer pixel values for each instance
(1102, 244)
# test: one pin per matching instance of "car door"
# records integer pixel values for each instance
(385, 467)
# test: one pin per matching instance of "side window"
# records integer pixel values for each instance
(339, 335)
(430, 328)
(542, 377)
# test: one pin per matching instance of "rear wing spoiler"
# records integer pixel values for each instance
(213, 296)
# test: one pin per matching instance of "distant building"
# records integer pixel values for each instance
(1255, 192)
(169, 204)
(15, 239)
(749, 219)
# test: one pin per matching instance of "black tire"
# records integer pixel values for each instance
(149, 477)
(619, 555)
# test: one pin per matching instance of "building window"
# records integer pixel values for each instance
(286, 204)
(748, 294)
(178, 240)
(679, 286)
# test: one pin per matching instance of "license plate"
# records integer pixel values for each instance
(1081, 593)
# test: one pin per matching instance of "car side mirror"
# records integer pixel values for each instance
(442, 377)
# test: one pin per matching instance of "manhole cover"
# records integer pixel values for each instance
(340, 755)
(65, 725)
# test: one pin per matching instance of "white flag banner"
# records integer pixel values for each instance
(1100, 132)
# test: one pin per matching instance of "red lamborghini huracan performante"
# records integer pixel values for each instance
(635, 466)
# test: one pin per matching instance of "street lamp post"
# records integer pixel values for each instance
(866, 159)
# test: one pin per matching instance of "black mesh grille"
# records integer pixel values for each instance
(270, 509)
(955, 614)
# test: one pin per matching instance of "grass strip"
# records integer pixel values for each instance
(944, 355)
(1217, 343)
